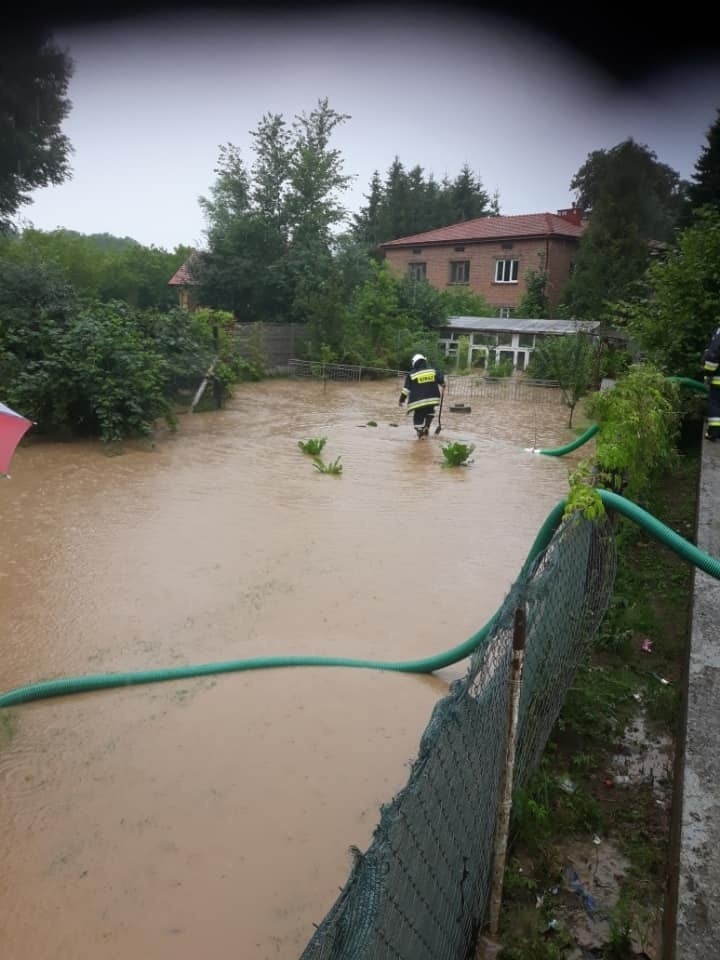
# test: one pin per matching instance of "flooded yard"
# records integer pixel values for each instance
(213, 816)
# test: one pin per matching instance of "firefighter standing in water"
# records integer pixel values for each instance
(711, 369)
(422, 390)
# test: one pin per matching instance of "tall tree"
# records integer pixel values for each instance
(367, 227)
(230, 194)
(34, 78)
(673, 324)
(632, 202)
(316, 177)
(271, 170)
(270, 230)
(409, 202)
(418, 214)
(396, 207)
(316, 181)
(706, 186)
(226, 274)
(469, 200)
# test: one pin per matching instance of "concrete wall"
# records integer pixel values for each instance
(694, 895)
(276, 342)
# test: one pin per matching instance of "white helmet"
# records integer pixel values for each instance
(418, 356)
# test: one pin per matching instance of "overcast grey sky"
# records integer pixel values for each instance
(154, 99)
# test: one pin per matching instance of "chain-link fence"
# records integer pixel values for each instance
(421, 890)
(502, 389)
(340, 372)
(487, 389)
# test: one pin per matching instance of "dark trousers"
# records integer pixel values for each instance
(423, 416)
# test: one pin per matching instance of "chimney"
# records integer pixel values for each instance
(572, 214)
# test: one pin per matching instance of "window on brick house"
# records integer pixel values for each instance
(504, 313)
(459, 271)
(417, 271)
(506, 271)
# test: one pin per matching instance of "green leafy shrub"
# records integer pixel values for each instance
(639, 422)
(92, 368)
(456, 453)
(583, 497)
(313, 446)
(502, 369)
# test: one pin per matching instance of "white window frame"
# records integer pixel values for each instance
(506, 270)
(417, 267)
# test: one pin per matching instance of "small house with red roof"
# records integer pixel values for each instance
(491, 256)
(182, 279)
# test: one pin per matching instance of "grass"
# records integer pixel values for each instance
(455, 454)
(313, 446)
(334, 468)
(619, 682)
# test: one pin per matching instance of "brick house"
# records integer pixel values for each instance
(491, 255)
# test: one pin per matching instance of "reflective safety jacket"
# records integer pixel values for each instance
(711, 360)
(422, 388)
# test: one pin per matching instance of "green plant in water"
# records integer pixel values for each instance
(335, 467)
(456, 454)
(313, 446)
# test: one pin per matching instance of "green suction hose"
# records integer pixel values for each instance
(692, 384)
(104, 681)
(569, 447)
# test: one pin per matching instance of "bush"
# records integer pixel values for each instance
(456, 454)
(98, 377)
(639, 423)
(503, 369)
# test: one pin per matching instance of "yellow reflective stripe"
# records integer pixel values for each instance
(714, 421)
(715, 382)
(405, 391)
(709, 365)
(432, 402)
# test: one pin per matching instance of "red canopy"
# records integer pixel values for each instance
(12, 429)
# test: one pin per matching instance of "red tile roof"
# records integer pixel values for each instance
(495, 228)
(182, 276)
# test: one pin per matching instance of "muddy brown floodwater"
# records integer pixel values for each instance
(212, 817)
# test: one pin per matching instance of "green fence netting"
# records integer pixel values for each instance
(421, 889)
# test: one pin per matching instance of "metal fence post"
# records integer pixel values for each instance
(486, 948)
